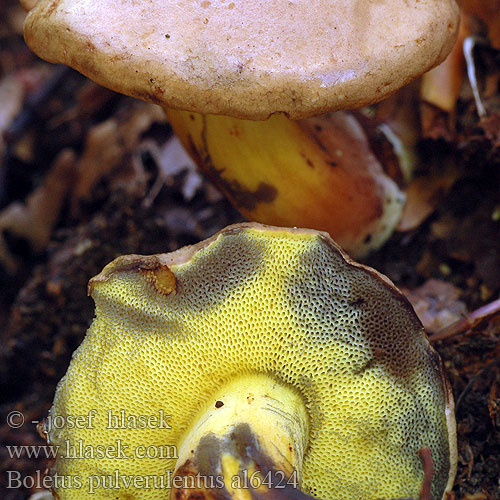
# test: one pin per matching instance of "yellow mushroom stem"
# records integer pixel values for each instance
(252, 436)
(318, 172)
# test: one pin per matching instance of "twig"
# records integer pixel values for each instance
(468, 48)
(467, 322)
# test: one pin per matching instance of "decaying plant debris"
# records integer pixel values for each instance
(128, 189)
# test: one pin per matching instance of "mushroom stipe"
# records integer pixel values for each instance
(278, 369)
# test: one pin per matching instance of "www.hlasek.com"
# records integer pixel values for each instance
(116, 481)
(79, 450)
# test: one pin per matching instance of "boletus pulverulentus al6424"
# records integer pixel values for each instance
(239, 80)
(260, 363)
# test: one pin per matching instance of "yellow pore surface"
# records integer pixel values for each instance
(254, 300)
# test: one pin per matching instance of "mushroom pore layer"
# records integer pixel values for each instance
(286, 304)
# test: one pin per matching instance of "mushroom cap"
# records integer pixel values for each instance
(172, 329)
(249, 58)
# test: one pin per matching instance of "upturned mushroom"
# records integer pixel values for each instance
(260, 359)
(254, 60)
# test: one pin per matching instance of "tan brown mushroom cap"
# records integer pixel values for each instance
(249, 58)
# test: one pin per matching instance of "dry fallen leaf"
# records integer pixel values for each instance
(103, 152)
(437, 304)
(35, 219)
(423, 196)
(107, 146)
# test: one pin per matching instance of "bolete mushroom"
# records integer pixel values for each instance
(261, 350)
(252, 59)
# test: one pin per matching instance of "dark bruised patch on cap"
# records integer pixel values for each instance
(221, 269)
